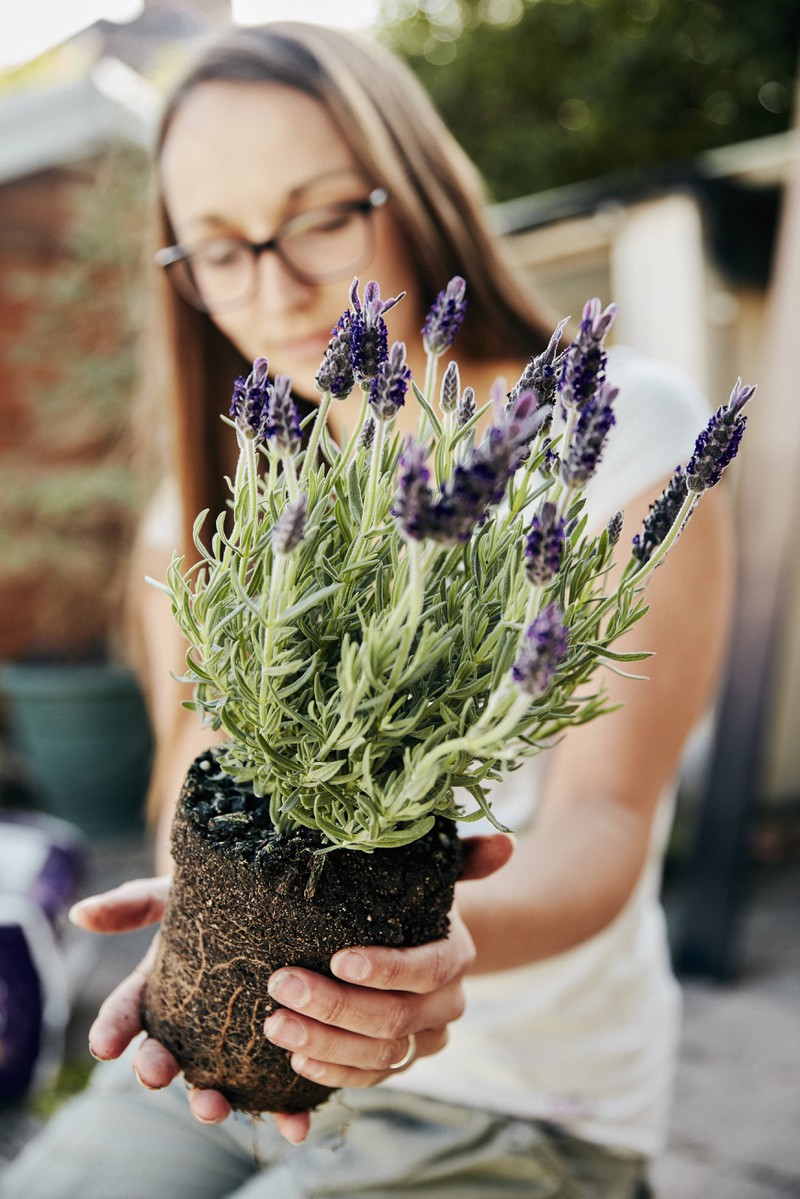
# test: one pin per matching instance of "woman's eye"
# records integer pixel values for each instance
(327, 222)
(219, 255)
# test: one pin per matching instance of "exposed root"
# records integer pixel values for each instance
(226, 1023)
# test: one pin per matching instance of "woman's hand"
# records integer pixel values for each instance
(346, 1031)
(134, 905)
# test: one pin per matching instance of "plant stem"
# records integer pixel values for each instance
(368, 513)
(316, 434)
(344, 458)
(659, 553)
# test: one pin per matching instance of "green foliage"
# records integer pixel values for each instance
(71, 1079)
(543, 93)
(363, 676)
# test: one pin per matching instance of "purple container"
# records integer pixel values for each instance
(41, 864)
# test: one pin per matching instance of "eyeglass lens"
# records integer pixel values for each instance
(316, 247)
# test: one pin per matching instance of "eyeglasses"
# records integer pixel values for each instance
(324, 245)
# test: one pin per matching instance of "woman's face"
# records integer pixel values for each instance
(241, 159)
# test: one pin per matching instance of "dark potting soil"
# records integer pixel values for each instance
(246, 901)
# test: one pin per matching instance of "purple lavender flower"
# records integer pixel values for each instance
(661, 517)
(250, 401)
(464, 499)
(387, 391)
(369, 337)
(542, 372)
(716, 446)
(544, 545)
(336, 370)
(614, 528)
(465, 408)
(444, 318)
(584, 361)
(588, 440)
(283, 419)
(451, 388)
(551, 464)
(289, 529)
(544, 648)
(367, 434)
(412, 502)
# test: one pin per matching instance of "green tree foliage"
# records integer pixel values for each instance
(547, 92)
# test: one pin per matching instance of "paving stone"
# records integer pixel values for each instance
(681, 1177)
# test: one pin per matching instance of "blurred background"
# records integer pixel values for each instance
(644, 151)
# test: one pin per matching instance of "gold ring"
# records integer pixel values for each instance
(408, 1056)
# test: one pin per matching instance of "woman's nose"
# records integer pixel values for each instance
(276, 287)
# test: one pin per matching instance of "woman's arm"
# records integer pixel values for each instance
(574, 871)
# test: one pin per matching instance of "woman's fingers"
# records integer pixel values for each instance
(293, 1126)
(154, 1066)
(387, 1015)
(133, 905)
(333, 1074)
(323, 1044)
(484, 855)
(420, 969)
(119, 1019)
(209, 1107)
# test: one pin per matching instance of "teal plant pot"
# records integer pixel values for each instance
(84, 734)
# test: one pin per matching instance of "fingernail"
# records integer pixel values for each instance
(351, 966)
(289, 988)
(96, 1054)
(141, 1081)
(309, 1069)
(82, 905)
(285, 1030)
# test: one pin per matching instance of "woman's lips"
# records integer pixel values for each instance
(312, 345)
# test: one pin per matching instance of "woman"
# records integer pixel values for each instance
(556, 1080)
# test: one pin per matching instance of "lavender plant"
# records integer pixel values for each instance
(387, 625)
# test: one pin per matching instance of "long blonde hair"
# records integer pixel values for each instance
(401, 144)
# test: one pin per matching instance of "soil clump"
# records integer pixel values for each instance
(246, 901)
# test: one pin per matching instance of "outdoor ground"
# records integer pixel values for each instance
(736, 1129)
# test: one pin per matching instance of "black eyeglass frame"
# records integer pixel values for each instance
(170, 255)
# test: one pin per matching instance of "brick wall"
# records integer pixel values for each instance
(62, 539)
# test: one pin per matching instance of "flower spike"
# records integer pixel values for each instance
(451, 388)
(283, 419)
(445, 317)
(588, 441)
(584, 361)
(387, 391)
(463, 500)
(289, 529)
(544, 545)
(717, 445)
(412, 505)
(541, 373)
(544, 648)
(335, 374)
(250, 401)
(465, 409)
(369, 337)
(660, 518)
